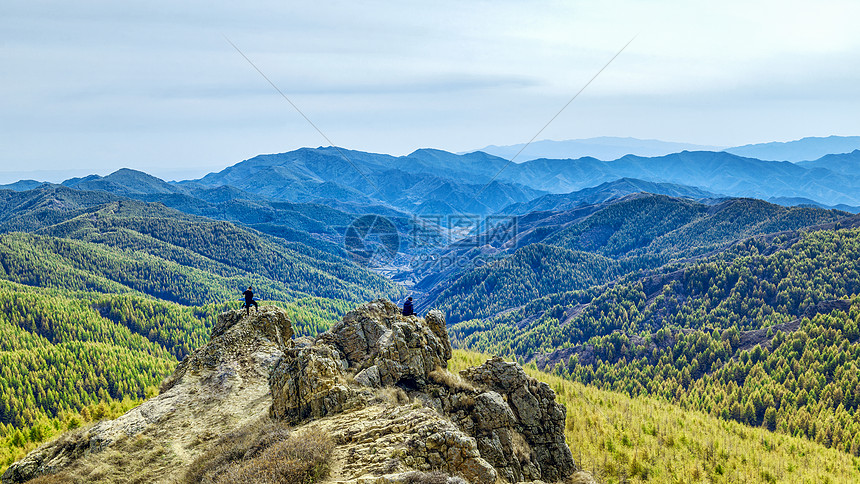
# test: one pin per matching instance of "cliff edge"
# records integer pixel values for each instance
(375, 384)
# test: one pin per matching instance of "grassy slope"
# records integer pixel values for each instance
(623, 439)
(637, 233)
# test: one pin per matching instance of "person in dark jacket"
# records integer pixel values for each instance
(249, 300)
(407, 307)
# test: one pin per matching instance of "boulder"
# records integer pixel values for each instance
(531, 445)
(404, 349)
(309, 383)
(369, 377)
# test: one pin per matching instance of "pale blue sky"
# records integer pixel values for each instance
(93, 86)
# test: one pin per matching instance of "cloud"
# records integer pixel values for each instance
(101, 83)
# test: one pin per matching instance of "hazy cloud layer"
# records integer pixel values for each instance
(95, 86)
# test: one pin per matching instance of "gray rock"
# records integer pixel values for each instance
(404, 349)
(493, 411)
(309, 383)
(435, 320)
(532, 445)
(369, 377)
(376, 341)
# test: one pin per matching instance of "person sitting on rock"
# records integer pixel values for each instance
(249, 300)
(407, 307)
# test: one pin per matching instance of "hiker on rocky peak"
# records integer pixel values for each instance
(407, 307)
(249, 300)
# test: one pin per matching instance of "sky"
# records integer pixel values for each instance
(94, 86)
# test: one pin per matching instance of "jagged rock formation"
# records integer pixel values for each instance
(375, 383)
(310, 383)
(377, 345)
(404, 350)
(512, 424)
(516, 406)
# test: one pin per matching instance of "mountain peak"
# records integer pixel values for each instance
(357, 379)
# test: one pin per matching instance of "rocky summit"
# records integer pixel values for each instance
(376, 384)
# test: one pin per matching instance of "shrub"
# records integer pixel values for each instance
(302, 458)
(244, 443)
(394, 395)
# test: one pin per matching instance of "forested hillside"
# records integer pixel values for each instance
(101, 296)
(186, 251)
(67, 357)
(803, 382)
(516, 280)
(672, 227)
(686, 334)
(638, 439)
(636, 232)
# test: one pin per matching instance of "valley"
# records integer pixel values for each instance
(701, 286)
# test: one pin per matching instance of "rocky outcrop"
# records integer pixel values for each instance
(265, 332)
(309, 383)
(511, 422)
(403, 349)
(220, 387)
(375, 383)
(374, 345)
(518, 424)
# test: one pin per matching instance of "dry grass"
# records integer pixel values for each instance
(394, 395)
(521, 448)
(450, 380)
(263, 453)
(303, 458)
(435, 477)
(52, 479)
(243, 443)
(129, 461)
(581, 477)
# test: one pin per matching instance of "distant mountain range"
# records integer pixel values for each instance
(606, 192)
(611, 148)
(799, 150)
(426, 181)
(436, 182)
(844, 163)
(718, 172)
(603, 148)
